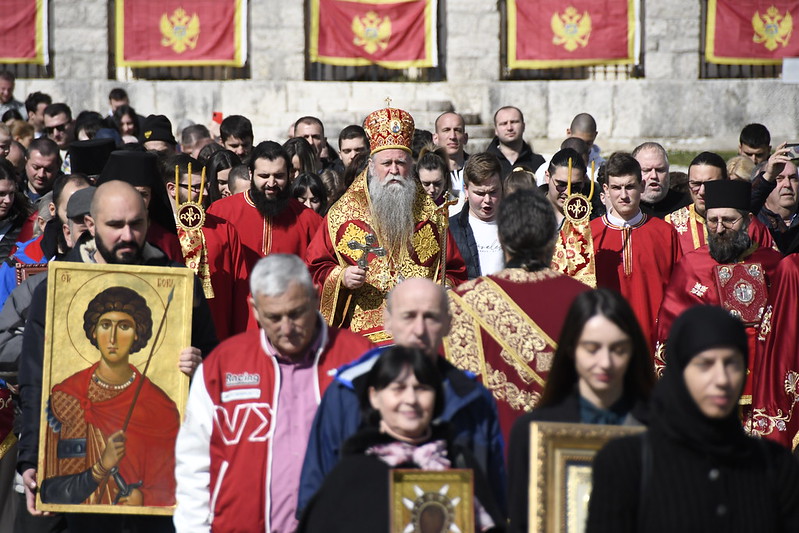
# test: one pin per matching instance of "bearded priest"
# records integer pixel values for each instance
(382, 230)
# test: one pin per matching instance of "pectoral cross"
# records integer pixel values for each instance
(371, 240)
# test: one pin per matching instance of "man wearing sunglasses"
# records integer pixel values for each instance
(557, 180)
(60, 128)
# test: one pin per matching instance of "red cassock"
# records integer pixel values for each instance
(230, 271)
(637, 261)
(287, 233)
(165, 240)
(150, 436)
(431, 253)
(505, 329)
(695, 282)
(775, 375)
(691, 228)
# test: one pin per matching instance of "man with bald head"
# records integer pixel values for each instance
(117, 227)
(583, 127)
(417, 316)
(451, 135)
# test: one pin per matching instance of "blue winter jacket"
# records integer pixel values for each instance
(468, 407)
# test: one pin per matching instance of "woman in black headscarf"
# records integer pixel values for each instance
(695, 469)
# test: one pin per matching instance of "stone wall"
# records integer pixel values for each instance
(670, 104)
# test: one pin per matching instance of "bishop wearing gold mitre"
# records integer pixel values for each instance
(382, 230)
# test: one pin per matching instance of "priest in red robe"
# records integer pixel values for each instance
(634, 253)
(212, 249)
(689, 221)
(267, 218)
(382, 230)
(731, 270)
(505, 326)
(775, 375)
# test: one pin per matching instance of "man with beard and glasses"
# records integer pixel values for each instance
(117, 227)
(689, 221)
(268, 219)
(731, 270)
(382, 230)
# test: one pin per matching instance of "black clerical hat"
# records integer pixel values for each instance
(89, 157)
(157, 128)
(728, 193)
(140, 169)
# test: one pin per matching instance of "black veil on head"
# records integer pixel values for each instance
(674, 412)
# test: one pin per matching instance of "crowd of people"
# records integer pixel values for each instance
(397, 302)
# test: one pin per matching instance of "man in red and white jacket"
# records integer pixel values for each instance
(240, 450)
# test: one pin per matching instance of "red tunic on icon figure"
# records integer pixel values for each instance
(89, 458)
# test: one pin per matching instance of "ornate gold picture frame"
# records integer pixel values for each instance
(423, 500)
(112, 394)
(561, 456)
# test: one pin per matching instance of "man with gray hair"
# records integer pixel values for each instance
(382, 230)
(657, 200)
(251, 405)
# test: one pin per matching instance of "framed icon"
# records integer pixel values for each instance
(561, 457)
(112, 394)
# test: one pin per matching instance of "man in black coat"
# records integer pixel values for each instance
(509, 145)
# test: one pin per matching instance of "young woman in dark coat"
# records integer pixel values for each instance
(601, 373)
(403, 396)
(695, 469)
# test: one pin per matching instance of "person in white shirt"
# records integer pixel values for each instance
(475, 227)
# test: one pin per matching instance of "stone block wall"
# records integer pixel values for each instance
(670, 104)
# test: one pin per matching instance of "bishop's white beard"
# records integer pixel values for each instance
(392, 212)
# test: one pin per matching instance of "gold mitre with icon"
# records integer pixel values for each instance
(574, 248)
(190, 218)
(389, 128)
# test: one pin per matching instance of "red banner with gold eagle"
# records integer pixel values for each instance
(390, 33)
(153, 33)
(570, 33)
(23, 32)
(751, 32)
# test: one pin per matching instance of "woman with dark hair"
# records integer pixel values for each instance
(14, 210)
(601, 373)
(695, 469)
(127, 123)
(433, 173)
(302, 156)
(217, 171)
(308, 189)
(402, 396)
(89, 457)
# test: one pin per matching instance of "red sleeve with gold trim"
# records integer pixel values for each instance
(775, 374)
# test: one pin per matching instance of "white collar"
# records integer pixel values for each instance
(617, 221)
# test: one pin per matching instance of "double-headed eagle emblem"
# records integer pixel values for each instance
(180, 30)
(772, 29)
(371, 31)
(571, 28)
